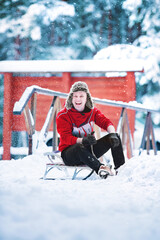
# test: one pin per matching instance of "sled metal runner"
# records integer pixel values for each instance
(62, 167)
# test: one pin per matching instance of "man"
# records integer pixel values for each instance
(78, 144)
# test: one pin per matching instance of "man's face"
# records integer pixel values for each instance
(79, 100)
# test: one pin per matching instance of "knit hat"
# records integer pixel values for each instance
(79, 86)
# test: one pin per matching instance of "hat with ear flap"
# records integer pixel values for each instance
(79, 86)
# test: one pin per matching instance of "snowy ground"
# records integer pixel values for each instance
(126, 206)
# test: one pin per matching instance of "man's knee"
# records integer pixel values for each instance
(79, 147)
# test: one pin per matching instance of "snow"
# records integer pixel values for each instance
(55, 66)
(131, 5)
(125, 206)
(148, 56)
(22, 25)
(36, 33)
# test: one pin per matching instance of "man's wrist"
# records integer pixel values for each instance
(79, 140)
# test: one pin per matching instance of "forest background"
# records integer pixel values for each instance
(76, 29)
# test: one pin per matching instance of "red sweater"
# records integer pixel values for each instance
(72, 124)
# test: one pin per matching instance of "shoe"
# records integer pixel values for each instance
(104, 172)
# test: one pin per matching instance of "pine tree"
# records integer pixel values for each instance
(34, 31)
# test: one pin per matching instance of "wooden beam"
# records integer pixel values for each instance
(123, 129)
(66, 78)
(34, 107)
(7, 116)
(148, 134)
(30, 126)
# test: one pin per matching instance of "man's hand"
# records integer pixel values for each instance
(89, 140)
(114, 140)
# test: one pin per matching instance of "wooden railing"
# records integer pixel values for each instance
(123, 127)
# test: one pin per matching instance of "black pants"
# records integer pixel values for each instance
(77, 154)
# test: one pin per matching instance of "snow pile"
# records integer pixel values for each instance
(126, 51)
(125, 206)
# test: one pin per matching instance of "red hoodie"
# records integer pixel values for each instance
(72, 124)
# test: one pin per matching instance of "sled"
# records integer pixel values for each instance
(59, 165)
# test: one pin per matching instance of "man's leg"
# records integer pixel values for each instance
(118, 155)
(103, 145)
(77, 154)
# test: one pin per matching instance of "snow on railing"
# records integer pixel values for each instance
(20, 105)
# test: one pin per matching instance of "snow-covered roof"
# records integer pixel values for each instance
(57, 66)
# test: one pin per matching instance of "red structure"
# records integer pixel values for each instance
(15, 83)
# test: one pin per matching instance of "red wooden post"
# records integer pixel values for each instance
(131, 86)
(66, 78)
(7, 116)
(131, 96)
